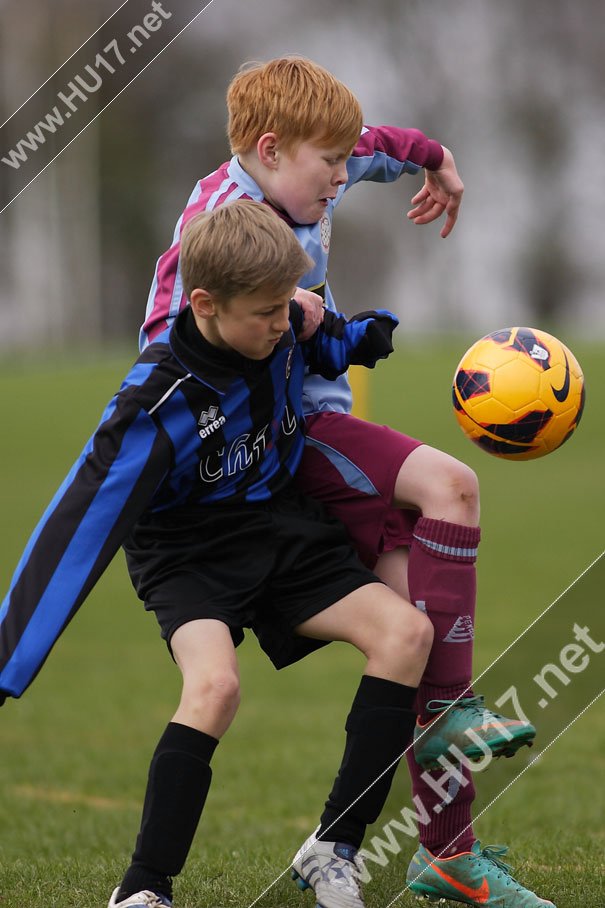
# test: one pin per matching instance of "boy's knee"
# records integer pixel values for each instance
(410, 633)
(464, 481)
(418, 631)
(220, 690)
(440, 486)
(224, 687)
(454, 493)
(425, 632)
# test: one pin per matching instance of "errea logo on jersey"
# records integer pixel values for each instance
(210, 421)
(245, 450)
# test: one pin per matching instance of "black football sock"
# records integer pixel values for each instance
(379, 728)
(178, 783)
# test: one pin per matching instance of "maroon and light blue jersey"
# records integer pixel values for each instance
(382, 154)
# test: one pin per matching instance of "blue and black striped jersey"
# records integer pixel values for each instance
(191, 425)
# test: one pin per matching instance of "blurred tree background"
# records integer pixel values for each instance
(514, 89)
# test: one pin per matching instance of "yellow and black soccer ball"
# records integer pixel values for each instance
(518, 393)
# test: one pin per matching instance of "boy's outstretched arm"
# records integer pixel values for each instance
(359, 341)
(442, 191)
(384, 153)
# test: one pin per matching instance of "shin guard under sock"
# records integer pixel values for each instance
(379, 728)
(178, 783)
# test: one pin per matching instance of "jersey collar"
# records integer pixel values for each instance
(252, 189)
(217, 368)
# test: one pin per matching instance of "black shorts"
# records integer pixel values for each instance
(264, 565)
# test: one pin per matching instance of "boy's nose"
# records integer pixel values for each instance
(341, 174)
(282, 322)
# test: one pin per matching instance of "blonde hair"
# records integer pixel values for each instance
(239, 248)
(296, 99)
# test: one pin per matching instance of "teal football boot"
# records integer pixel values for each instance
(477, 877)
(475, 730)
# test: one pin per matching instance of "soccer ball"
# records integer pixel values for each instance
(518, 393)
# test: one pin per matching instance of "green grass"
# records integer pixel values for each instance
(75, 749)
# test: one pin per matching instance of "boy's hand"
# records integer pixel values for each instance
(442, 191)
(313, 311)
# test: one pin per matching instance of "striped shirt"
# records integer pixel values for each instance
(191, 425)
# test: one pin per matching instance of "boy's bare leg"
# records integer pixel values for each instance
(180, 773)
(205, 654)
(395, 638)
(438, 485)
(393, 635)
(392, 568)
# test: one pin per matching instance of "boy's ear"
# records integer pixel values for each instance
(267, 149)
(202, 303)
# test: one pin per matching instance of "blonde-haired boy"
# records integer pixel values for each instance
(412, 511)
(191, 471)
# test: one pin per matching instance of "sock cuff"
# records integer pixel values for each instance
(380, 692)
(187, 740)
(450, 541)
(427, 692)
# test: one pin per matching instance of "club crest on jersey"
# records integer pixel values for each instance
(325, 231)
(210, 421)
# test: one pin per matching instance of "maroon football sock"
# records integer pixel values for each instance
(442, 582)
(447, 804)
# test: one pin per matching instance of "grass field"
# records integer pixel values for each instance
(75, 749)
